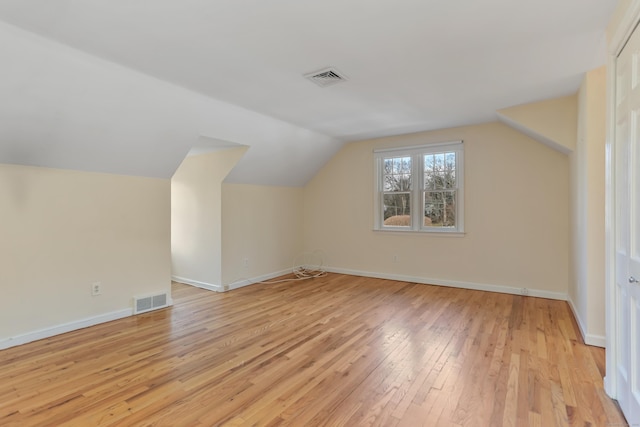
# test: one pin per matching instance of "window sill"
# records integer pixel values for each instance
(422, 232)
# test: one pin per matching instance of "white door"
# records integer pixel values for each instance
(627, 229)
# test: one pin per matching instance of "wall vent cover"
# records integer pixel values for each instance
(151, 302)
(326, 77)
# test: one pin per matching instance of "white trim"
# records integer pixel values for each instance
(198, 284)
(595, 340)
(64, 328)
(625, 29)
(611, 353)
(434, 232)
(589, 339)
(452, 283)
(533, 135)
(607, 383)
(417, 193)
(417, 148)
(616, 45)
(254, 280)
(239, 283)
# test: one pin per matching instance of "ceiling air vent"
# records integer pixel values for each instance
(326, 77)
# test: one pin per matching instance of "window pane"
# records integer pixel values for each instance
(405, 183)
(439, 162)
(440, 171)
(428, 163)
(440, 208)
(397, 183)
(450, 160)
(406, 164)
(397, 174)
(390, 183)
(397, 209)
(450, 171)
(388, 166)
(428, 180)
(397, 165)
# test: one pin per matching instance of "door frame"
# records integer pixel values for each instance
(616, 44)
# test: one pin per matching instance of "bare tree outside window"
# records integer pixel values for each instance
(420, 188)
(440, 189)
(397, 191)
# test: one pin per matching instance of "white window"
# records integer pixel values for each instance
(420, 188)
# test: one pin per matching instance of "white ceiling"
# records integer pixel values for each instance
(100, 84)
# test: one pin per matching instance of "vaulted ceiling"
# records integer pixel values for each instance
(131, 86)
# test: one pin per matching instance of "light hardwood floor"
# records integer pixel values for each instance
(335, 351)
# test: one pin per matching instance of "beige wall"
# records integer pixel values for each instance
(262, 224)
(196, 216)
(516, 214)
(587, 290)
(61, 230)
(549, 119)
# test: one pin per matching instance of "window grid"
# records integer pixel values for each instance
(440, 189)
(397, 188)
(420, 188)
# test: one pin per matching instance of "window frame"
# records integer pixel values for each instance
(417, 192)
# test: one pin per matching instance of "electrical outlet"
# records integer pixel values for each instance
(96, 289)
(245, 263)
(395, 258)
(525, 291)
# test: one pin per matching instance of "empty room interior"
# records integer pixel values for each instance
(409, 213)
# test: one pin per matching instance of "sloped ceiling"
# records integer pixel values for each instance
(130, 87)
(552, 122)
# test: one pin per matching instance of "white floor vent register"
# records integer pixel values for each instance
(150, 302)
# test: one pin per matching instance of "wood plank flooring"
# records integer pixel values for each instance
(333, 351)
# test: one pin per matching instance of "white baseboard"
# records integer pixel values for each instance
(589, 339)
(453, 283)
(595, 340)
(609, 388)
(198, 284)
(233, 285)
(246, 282)
(64, 328)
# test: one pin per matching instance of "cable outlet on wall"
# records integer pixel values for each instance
(525, 291)
(96, 289)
